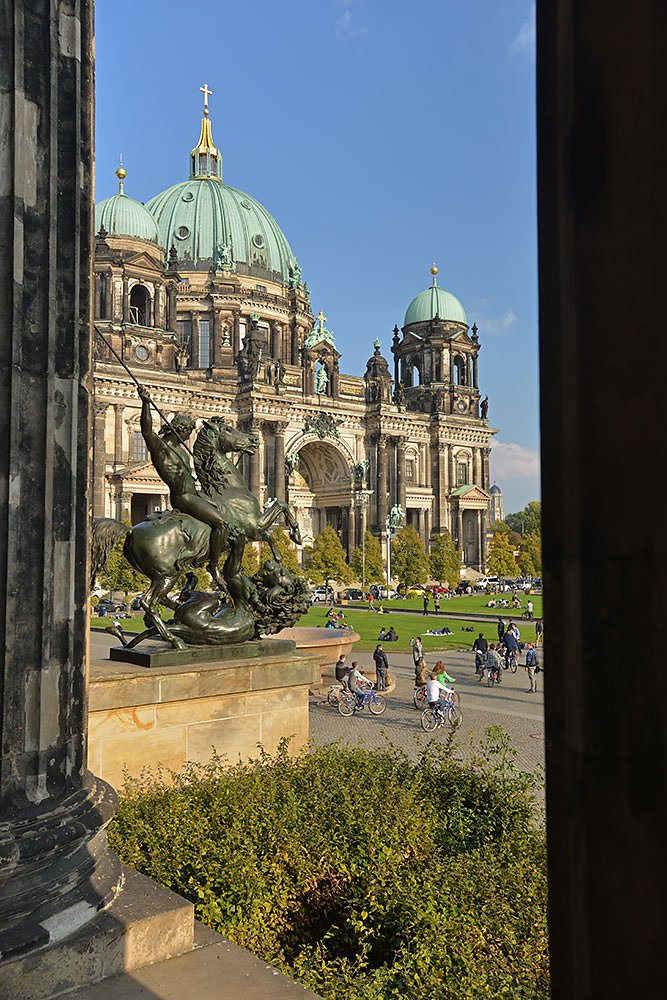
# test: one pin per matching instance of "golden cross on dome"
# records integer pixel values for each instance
(321, 319)
(207, 93)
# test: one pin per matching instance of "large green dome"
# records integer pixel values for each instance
(123, 216)
(435, 302)
(203, 217)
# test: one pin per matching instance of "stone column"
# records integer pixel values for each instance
(383, 480)
(126, 299)
(279, 460)
(476, 467)
(351, 530)
(474, 372)
(125, 506)
(56, 870)
(459, 530)
(171, 307)
(427, 533)
(255, 429)
(485, 530)
(99, 457)
(194, 349)
(441, 497)
(98, 296)
(400, 473)
(118, 435)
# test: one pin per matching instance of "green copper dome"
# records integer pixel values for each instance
(207, 220)
(435, 302)
(123, 216)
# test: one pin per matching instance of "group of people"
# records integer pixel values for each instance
(388, 635)
(353, 678)
(493, 657)
(435, 679)
(335, 619)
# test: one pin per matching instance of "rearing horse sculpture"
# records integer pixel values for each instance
(168, 542)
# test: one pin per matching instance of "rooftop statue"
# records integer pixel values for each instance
(204, 525)
(319, 333)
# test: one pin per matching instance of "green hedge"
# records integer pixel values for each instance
(356, 872)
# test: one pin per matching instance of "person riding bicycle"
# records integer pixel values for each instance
(436, 694)
(480, 645)
(441, 674)
(492, 664)
(510, 646)
(357, 683)
(421, 673)
(342, 670)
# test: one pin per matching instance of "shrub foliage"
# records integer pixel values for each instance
(356, 872)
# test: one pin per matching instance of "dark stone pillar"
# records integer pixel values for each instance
(55, 869)
(602, 214)
(171, 307)
(254, 460)
(118, 435)
(400, 474)
(279, 461)
(126, 299)
(383, 480)
(351, 530)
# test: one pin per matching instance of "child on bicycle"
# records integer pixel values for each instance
(436, 694)
(357, 683)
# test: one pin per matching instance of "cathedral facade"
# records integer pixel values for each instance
(199, 295)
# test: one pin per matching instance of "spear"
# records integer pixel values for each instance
(143, 388)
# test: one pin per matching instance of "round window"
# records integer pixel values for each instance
(182, 232)
(188, 196)
(141, 353)
(246, 204)
(258, 240)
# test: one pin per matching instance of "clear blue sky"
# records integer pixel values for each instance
(380, 134)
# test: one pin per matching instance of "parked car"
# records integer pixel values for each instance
(320, 593)
(104, 609)
(135, 605)
(352, 594)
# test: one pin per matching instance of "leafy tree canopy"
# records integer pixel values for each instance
(445, 560)
(409, 561)
(530, 555)
(375, 568)
(501, 557)
(325, 560)
(528, 520)
(119, 575)
(250, 561)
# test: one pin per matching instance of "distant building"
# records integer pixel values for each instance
(199, 292)
(497, 509)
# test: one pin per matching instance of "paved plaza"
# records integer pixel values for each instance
(509, 705)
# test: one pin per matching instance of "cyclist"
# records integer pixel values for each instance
(441, 674)
(436, 694)
(480, 645)
(342, 670)
(357, 683)
(510, 647)
(492, 664)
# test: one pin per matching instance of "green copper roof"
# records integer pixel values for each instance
(204, 219)
(123, 216)
(461, 491)
(435, 302)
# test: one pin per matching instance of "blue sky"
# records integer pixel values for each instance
(380, 134)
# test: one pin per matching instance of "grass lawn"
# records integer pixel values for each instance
(473, 604)
(368, 625)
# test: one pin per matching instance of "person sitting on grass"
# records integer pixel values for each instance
(382, 635)
(391, 635)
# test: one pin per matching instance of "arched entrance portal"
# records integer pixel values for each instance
(320, 493)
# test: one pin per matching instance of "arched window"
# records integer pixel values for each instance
(140, 305)
(459, 370)
(204, 343)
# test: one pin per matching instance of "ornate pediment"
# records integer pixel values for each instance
(144, 259)
(473, 495)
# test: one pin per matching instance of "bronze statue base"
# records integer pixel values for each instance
(161, 654)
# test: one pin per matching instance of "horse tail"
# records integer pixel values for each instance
(105, 533)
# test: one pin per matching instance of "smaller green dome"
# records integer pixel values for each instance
(123, 216)
(434, 302)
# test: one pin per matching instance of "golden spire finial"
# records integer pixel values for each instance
(207, 93)
(434, 271)
(321, 318)
(121, 174)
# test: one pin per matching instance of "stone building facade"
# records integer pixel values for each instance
(199, 293)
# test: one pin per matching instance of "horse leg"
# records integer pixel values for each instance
(155, 596)
(271, 515)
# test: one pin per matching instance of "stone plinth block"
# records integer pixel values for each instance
(176, 715)
(160, 654)
(145, 924)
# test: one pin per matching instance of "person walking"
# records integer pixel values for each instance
(529, 609)
(501, 629)
(381, 667)
(436, 603)
(417, 649)
(532, 668)
(539, 631)
(425, 599)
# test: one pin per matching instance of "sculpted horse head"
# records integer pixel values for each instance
(230, 438)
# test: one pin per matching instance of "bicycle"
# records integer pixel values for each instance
(493, 675)
(419, 697)
(435, 715)
(348, 703)
(336, 692)
(512, 660)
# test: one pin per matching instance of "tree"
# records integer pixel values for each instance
(528, 520)
(445, 560)
(530, 555)
(409, 561)
(325, 560)
(287, 553)
(119, 575)
(501, 557)
(250, 561)
(375, 568)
